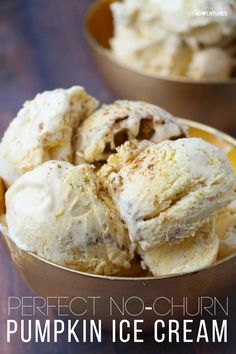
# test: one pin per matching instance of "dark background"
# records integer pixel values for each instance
(42, 47)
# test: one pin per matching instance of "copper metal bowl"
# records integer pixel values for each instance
(212, 103)
(51, 280)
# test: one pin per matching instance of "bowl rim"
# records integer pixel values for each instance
(136, 279)
(109, 55)
(191, 124)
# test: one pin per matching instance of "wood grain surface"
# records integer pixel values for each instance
(42, 47)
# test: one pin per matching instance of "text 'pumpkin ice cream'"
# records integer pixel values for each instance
(44, 129)
(60, 212)
(112, 125)
(164, 192)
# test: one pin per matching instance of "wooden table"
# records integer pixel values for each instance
(42, 47)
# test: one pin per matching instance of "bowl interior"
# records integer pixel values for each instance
(99, 23)
(215, 137)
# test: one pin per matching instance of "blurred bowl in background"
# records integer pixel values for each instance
(212, 103)
(51, 280)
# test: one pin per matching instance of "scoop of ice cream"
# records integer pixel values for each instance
(226, 230)
(165, 57)
(112, 125)
(161, 36)
(165, 191)
(210, 64)
(191, 254)
(43, 130)
(60, 212)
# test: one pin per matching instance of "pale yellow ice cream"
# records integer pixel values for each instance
(210, 64)
(189, 255)
(157, 198)
(44, 129)
(165, 191)
(164, 37)
(60, 212)
(112, 125)
(226, 230)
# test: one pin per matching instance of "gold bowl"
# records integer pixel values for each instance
(212, 103)
(52, 280)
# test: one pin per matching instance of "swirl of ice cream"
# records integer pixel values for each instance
(60, 212)
(164, 37)
(189, 255)
(165, 191)
(112, 125)
(43, 130)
